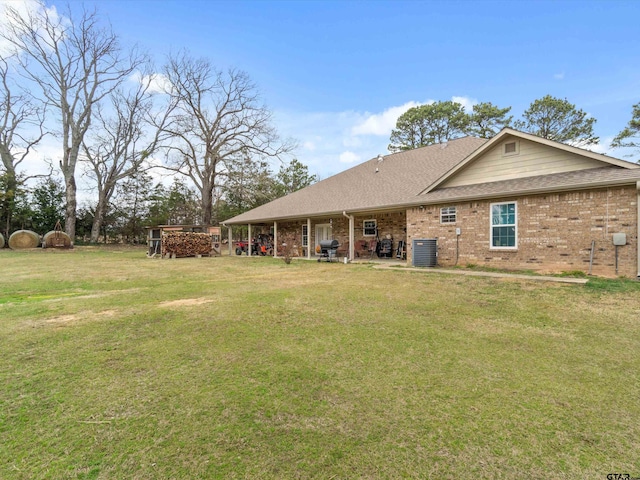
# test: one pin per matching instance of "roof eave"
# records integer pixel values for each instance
(530, 191)
(356, 211)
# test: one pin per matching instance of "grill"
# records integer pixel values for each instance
(328, 249)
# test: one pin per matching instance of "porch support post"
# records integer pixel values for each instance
(350, 254)
(309, 238)
(638, 226)
(249, 241)
(230, 241)
(275, 239)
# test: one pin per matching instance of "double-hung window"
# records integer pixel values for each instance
(305, 236)
(504, 228)
(369, 228)
(448, 215)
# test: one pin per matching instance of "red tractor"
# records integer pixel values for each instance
(263, 245)
(242, 246)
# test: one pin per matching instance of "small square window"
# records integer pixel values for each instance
(370, 228)
(511, 148)
(448, 215)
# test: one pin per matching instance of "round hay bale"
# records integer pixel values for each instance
(56, 239)
(1, 241)
(24, 239)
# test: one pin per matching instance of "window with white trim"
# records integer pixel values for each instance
(305, 236)
(448, 215)
(504, 229)
(369, 228)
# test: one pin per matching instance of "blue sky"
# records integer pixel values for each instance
(337, 74)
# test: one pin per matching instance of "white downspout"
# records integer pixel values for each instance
(351, 236)
(249, 241)
(275, 239)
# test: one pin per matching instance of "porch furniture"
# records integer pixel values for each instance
(361, 248)
(343, 250)
(373, 248)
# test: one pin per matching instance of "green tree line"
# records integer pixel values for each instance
(141, 202)
(547, 117)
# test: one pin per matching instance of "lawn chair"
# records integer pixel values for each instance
(361, 248)
(343, 250)
(373, 248)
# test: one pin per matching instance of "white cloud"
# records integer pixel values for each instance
(330, 134)
(349, 157)
(466, 102)
(604, 147)
(382, 123)
(559, 76)
(333, 141)
(25, 9)
(158, 83)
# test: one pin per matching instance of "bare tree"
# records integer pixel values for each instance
(217, 115)
(76, 62)
(20, 131)
(120, 144)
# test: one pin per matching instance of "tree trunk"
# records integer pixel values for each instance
(207, 205)
(9, 202)
(10, 198)
(11, 185)
(70, 209)
(98, 219)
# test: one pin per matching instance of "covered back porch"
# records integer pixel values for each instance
(360, 236)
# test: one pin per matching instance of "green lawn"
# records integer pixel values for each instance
(116, 366)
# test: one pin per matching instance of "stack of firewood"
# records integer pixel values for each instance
(186, 244)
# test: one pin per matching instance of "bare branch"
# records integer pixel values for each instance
(76, 62)
(215, 116)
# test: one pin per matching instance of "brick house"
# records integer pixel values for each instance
(514, 201)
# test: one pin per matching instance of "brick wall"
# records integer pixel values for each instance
(389, 223)
(554, 232)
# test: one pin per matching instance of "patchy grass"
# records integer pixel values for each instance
(118, 366)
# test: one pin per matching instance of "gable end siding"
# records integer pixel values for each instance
(532, 159)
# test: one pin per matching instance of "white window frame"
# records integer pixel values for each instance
(508, 154)
(305, 236)
(514, 225)
(448, 215)
(365, 228)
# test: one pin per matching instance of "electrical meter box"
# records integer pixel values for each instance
(619, 239)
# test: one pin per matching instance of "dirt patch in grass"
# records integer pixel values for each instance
(187, 302)
(78, 317)
(63, 319)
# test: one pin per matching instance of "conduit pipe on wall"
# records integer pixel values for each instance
(351, 235)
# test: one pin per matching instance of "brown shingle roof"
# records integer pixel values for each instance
(399, 178)
(409, 178)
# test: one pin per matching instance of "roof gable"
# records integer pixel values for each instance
(533, 156)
